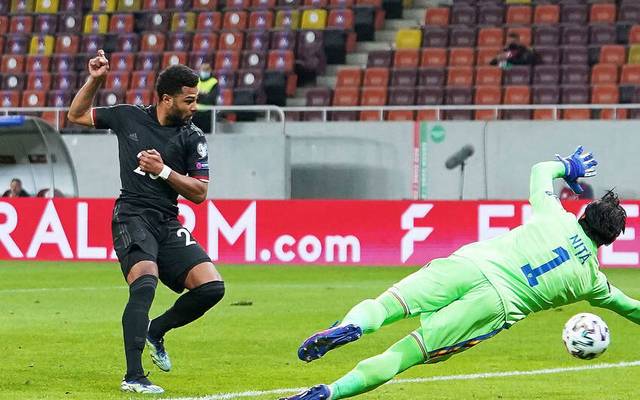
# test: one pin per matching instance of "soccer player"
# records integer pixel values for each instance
(485, 287)
(162, 155)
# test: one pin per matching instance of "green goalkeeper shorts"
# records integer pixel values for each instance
(457, 305)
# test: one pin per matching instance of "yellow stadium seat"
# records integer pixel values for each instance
(408, 39)
(103, 6)
(518, 2)
(314, 19)
(183, 22)
(47, 6)
(42, 45)
(407, 3)
(293, 21)
(634, 54)
(128, 5)
(22, 6)
(96, 23)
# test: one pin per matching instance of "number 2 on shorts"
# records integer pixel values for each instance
(187, 236)
(532, 274)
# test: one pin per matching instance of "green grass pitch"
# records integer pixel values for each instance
(60, 338)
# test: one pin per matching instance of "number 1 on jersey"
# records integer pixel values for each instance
(532, 274)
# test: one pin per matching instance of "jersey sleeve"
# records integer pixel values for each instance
(541, 195)
(610, 297)
(198, 157)
(107, 117)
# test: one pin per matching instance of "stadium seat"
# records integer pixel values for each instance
(490, 14)
(235, 20)
(458, 96)
(39, 81)
(9, 98)
(147, 61)
(281, 60)
(21, 6)
(227, 60)
(16, 44)
(153, 22)
(59, 98)
(317, 97)
(64, 81)
(209, 21)
(70, 24)
(432, 76)
(463, 15)
(66, 63)
(548, 55)
(33, 98)
(231, 40)
(170, 58)
(380, 58)
(575, 55)
(602, 34)
(634, 54)
(21, 24)
(314, 19)
(634, 35)
(263, 4)
(437, 16)
(546, 14)
(45, 24)
(237, 5)
(523, 32)
(485, 55)
(546, 35)
(433, 57)
(575, 35)
(488, 76)
(602, 13)
(376, 77)
(128, 5)
(487, 95)
(142, 80)
(575, 74)
(461, 56)
(546, 75)
(108, 97)
(372, 96)
(519, 15)
(96, 23)
(602, 74)
(401, 96)
(283, 40)
(517, 75)
(252, 59)
(13, 64)
(345, 97)
(406, 77)
(179, 41)
(91, 43)
(36, 63)
(341, 3)
(316, 3)
(491, 37)
(406, 58)
(462, 36)
(250, 78)
(121, 23)
(261, 19)
(408, 39)
(429, 96)
(257, 40)
(607, 94)
(42, 44)
(122, 62)
(516, 95)
(139, 96)
(13, 82)
(575, 94)
(613, 54)
(460, 76)
(288, 19)
(574, 14)
(630, 74)
(204, 42)
(545, 94)
(183, 22)
(152, 42)
(629, 12)
(349, 77)
(46, 6)
(433, 36)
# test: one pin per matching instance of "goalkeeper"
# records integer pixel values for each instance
(486, 287)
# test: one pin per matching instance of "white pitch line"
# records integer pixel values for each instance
(55, 289)
(255, 393)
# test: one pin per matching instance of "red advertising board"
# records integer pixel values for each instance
(288, 232)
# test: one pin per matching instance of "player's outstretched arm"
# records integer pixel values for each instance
(80, 109)
(190, 188)
(541, 194)
(620, 303)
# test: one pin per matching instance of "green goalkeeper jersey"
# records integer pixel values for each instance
(547, 262)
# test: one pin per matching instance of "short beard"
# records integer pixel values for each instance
(174, 119)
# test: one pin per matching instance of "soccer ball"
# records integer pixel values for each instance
(586, 336)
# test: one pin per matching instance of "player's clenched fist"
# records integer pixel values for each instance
(150, 161)
(99, 66)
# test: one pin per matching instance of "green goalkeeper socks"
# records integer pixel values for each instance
(370, 314)
(374, 371)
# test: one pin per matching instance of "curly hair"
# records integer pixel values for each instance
(603, 220)
(172, 79)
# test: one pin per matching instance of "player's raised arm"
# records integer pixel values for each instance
(613, 299)
(577, 165)
(80, 109)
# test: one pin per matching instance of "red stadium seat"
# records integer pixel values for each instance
(461, 56)
(433, 57)
(406, 58)
(437, 16)
(152, 42)
(235, 20)
(67, 44)
(372, 96)
(281, 60)
(39, 81)
(604, 74)
(349, 77)
(488, 75)
(142, 80)
(37, 63)
(117, 80)
(487, 95)
(227, 60)
(139, 96)
(9, 98)
(33, 98)
(460, 76)
(231, 40)
(519, 15)
(173, 58)
(12, 64)
(209, 21)
(204, 42)
(376, 77)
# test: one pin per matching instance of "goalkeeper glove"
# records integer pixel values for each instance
(578, 165)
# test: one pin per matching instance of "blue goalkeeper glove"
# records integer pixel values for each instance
(576, 166)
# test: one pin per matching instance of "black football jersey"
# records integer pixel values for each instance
(183, 149)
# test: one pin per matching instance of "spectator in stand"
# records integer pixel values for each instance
(15, 189)
(514, 53)
(207, 92)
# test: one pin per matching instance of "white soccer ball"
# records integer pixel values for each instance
(586, 336)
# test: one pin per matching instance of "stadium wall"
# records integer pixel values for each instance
(383, 160)
(338, 232)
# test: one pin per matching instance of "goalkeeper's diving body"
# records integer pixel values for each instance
(485, 287)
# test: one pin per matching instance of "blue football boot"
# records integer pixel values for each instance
(319, 392)
(322, 342)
